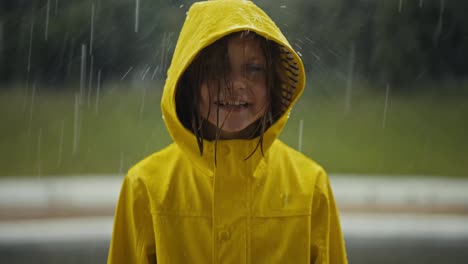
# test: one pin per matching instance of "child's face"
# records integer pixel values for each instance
(242, 98)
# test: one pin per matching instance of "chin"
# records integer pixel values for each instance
(233, 129)
(229, 126)
(234, 124)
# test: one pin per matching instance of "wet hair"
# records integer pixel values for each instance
(212, 66)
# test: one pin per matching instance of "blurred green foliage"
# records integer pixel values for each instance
(396, 41)
(51, 133)
(380, 133)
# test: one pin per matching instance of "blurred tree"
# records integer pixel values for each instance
(45, 44)
(9, 37)
(417, 40)
(396, 42)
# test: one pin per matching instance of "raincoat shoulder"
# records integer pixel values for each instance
(309, 184)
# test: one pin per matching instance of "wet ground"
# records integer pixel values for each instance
(384, 219)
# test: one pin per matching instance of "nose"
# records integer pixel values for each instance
(238, 80)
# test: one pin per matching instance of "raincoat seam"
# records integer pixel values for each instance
(197, 165)
(280, 215)
(134, 181)
(321, 243)
(180, 214)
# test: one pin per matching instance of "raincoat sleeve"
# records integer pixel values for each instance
(327, 243)
(133, 235)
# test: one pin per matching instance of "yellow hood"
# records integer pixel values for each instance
(205, 23)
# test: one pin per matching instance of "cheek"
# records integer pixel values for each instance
(204, 99)
(261, 95)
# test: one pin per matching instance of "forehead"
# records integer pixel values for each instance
(249, 45)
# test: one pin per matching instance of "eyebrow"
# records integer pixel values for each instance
(255, 57)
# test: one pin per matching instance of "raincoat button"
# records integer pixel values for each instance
(224, 235)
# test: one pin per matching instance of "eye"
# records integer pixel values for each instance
(213, 72)
(255, 68)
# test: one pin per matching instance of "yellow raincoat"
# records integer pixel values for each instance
(176, 206)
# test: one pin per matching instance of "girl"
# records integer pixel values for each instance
(228, 190)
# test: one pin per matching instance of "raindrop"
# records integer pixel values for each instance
(90, 83)
(98, 90)
(154, 72)
(91, 37)
(299, 53)
(46, 33)
(299, 141)
(384, 122)
(56, 7)
(125, 75)
(70, 57)
(31, 111)
(400, 6)
(62, 127)
(147, 68)
(349, 82)
(309, 40)
(137, 14)
(2, 26)
(333, 52)
(38, 160)
(438, 30)
(31, 32)
(245, 33)
(163, 50)
(82, 71)
(283, 6)
(25, 98)
(182, 5)
(76, 130)
(315, 55)
(165, 47)
(298, 46)
(421, 3)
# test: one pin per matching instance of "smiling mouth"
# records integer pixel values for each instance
(232, 105)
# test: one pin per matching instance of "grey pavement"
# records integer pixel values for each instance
(100, 192)
(384, 219)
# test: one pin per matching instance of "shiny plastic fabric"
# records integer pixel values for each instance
(178, 206)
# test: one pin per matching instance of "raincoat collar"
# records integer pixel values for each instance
(205, 23)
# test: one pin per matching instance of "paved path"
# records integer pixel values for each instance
(384, 219)
(97, 195)
(365, 225)
(370, 238)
